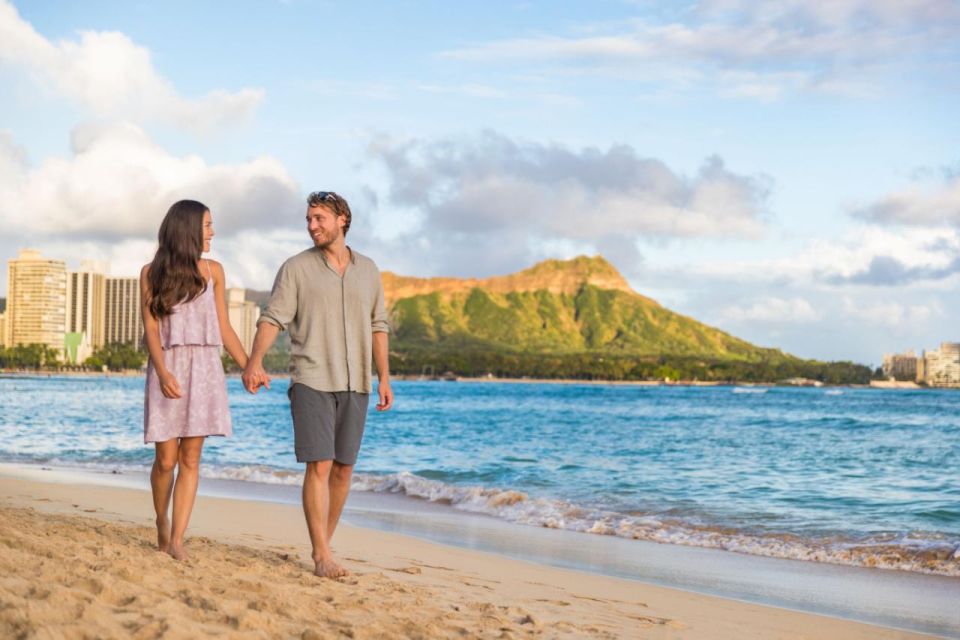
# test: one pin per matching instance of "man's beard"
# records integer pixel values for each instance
(323, 241)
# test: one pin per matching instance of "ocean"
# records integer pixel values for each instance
(860, 477)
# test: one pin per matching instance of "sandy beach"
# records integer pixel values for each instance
(78, 561)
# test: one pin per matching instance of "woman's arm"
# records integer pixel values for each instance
(151, 335)
(230, 340)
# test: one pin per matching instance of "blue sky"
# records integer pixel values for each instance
(786, 171)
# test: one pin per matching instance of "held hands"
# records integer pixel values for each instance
(255, 377)
(169, 386)
(386, 395)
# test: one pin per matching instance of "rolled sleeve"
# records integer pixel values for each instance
(378, 318)
(282, 306)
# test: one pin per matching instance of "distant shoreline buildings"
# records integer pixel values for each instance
(935, 368)
(78, 312)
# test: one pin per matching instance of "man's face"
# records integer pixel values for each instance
(323, 225)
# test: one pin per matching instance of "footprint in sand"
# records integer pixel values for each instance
(610, 601)
(474, 584)
(89, 585)
(559, 603)
(125, 601)
(650, 620)
(429, 566)
(38, 594)
(526, 619)
(411, 570)
(197, 602)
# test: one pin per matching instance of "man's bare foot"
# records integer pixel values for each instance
(163, 535)
(177, 551)
(329, 568)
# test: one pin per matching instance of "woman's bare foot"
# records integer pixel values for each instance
(163, 535)
(177, 551)
(329, 568)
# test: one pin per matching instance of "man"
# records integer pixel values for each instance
(330, 299)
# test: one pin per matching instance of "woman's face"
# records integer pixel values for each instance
(207, 230)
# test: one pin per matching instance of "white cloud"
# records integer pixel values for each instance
(250, 258)
(122, 258)
(119, 183)
(930, 205)
(853, 295)
(773, 310)
(821, 46)
(866, 255)
(735, 34)
(502, 201)
(113, 77)
(891, 314)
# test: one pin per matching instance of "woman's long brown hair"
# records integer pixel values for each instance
(174, 277)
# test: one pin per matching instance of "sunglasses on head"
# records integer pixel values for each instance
(322, 196)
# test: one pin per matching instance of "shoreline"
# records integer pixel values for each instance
(882, 385)
(525, 598)
(373, 496)
(888, 599)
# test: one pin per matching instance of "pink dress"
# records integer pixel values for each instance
(190, 337)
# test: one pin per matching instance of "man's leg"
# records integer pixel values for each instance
(161, 482)
(340, 476)
(185, 492)
(316, 508)
(351, 417)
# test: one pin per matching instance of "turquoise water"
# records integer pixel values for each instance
(850, 476)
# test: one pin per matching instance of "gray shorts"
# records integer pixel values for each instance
(327, 425)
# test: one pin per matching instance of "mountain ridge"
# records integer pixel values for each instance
(553, 275)
(556, 306)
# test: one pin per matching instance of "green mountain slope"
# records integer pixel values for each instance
(575, 319)
(554, 307)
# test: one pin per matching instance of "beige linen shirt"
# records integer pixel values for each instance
(331, 320)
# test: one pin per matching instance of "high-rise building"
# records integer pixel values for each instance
(122, 320)
(942, 366)
(85, 310)
(243, 316)
(36, 300)
(900, 366)
(3, 329)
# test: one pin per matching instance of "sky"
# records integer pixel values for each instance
(788, 172)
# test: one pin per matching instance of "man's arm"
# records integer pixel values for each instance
(381, 346)
(381, 357)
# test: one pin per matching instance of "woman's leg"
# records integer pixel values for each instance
(161, 481)
(185, 492)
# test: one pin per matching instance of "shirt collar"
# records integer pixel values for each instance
(323, 256)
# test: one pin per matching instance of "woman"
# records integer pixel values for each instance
(185, 323)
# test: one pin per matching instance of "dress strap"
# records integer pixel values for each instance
(209, 272)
